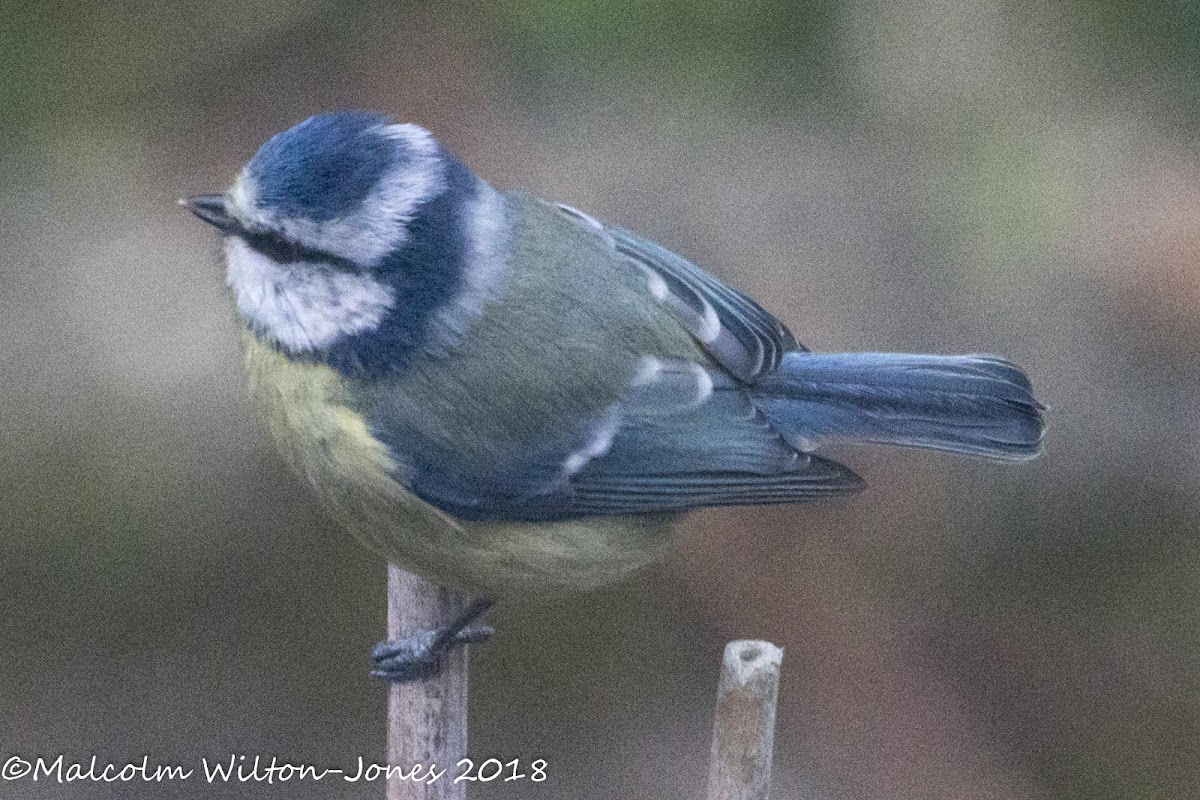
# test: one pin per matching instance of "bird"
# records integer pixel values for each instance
(507, 395)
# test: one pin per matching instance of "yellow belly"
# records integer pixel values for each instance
(353, 474)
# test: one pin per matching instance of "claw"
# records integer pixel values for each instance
(419, 655)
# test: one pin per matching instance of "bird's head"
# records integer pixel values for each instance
(348, 237)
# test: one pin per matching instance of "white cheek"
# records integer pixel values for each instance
(303, 306)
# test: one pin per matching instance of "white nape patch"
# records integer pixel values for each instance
(302, 306)
(600, 444)
(486, 266)
(379, 224)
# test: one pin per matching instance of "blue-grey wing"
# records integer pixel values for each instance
(681, 440)
(723, 453)
(733, 329)
(684, 436)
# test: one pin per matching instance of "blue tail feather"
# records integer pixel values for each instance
(975, 404)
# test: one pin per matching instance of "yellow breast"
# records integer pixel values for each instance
(326, 442)
(320, 436)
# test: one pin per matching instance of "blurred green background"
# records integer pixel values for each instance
(924, 175)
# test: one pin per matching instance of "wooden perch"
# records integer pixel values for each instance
(427, 719)
(744, 724)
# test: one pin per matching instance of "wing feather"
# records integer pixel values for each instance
(683, 436)
(736, 331)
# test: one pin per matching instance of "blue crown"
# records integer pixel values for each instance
(325, 167)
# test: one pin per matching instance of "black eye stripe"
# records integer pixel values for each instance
(273, 246)
(286, 251)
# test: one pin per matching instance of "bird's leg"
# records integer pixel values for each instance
(419, 655)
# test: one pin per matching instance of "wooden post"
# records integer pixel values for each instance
(427, 719)
(744, 724)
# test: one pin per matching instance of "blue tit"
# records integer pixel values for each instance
(508, 395)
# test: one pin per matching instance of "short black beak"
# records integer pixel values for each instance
(212, 209)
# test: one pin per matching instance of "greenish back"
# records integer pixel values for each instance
(560, 345)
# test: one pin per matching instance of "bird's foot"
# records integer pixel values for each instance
(419, 655)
